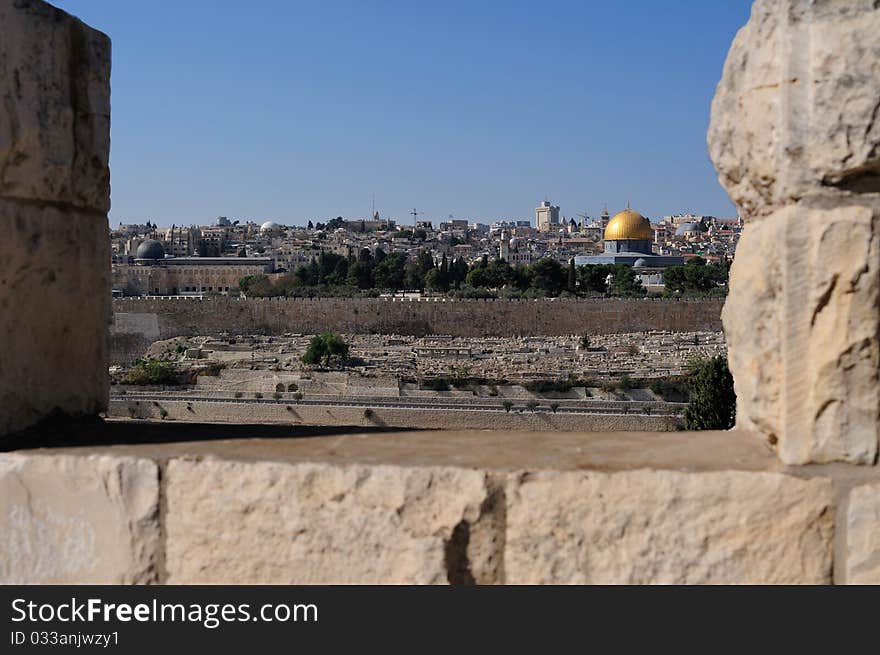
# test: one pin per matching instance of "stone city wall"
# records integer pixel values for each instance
(467, 318)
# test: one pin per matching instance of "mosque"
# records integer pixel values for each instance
(627, 239)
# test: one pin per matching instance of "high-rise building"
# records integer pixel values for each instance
(546, 216)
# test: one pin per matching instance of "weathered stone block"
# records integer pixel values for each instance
(54, 313)
(863, 535)
(802, 327)
(267, 523)
(55, 114)
(77, 520)
(796, 109)
(644, 527)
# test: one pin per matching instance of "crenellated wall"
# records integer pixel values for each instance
(184, 316)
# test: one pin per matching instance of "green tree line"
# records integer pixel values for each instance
(368, 273)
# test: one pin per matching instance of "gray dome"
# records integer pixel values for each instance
(640, 263)
(686, 228)
(150, 249)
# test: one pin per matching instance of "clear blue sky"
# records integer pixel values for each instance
(292, 111)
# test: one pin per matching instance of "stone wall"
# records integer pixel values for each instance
(190, 317)
(795, 136)
(293, 413)
(370, 509)
(54, 198)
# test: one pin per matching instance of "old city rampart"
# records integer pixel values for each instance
(466, 318)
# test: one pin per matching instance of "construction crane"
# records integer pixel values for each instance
(415, 215)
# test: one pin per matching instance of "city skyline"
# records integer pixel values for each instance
(478, 112)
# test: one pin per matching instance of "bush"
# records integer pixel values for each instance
(257, 394)
(238, 394)
(152, 371)
(624, 383)
(324, 348)
(532, 405)
(554, 407)
(298, 395)
(507, 405)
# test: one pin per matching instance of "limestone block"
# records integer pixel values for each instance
(55, 110)
(796, 110)
(667, 527)
(863, 535)
(267, 523)
(78, 520)
(801, 322)
(54, 312)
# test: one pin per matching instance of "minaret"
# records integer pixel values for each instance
(504, 250)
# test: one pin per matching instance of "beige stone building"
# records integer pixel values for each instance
(153, 274)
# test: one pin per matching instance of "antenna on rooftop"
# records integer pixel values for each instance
(415, 215)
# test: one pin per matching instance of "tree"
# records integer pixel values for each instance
(324, 348)
(311, 226)
(572, 275)
(592, 278)
(712, 398)
(389, 272)
(548, 276)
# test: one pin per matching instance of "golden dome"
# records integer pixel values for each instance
(629, 224)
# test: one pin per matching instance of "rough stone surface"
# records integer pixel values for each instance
(802, 330)
(795, 136)
(642, 527)
(863, 535)
(55, 109)
(466, 318)
(54, 310)
(54, 197)
(798, 108)
(76, 520)
(267, 523)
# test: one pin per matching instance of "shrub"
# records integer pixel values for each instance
(507, 405)
(324, 348)
(257, 394)
(554, 407)
(624, 383)
(238, 394)
(532, 405)
(298, 395)
(152, 371)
